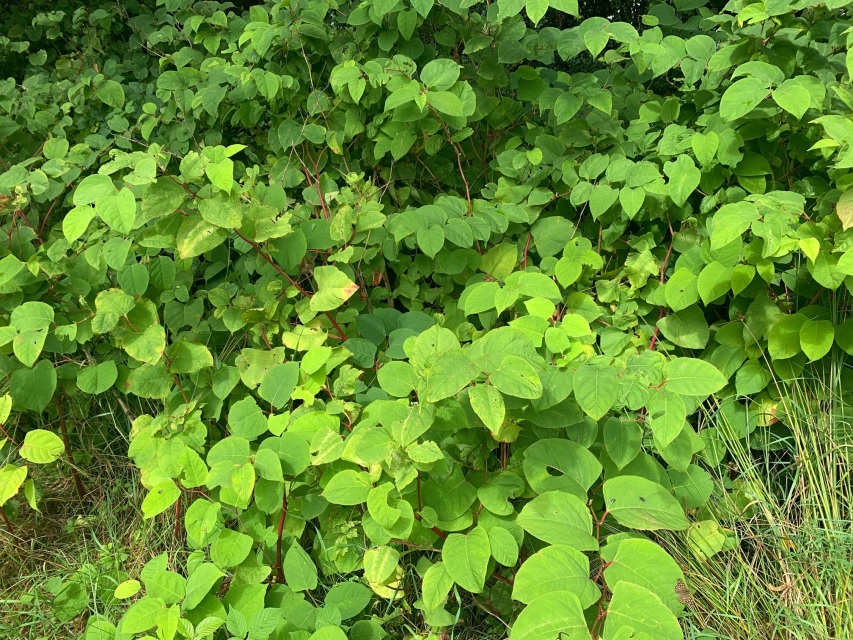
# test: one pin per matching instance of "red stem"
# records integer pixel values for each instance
(81, 491)
(278, 561)
(6, 521)
(305, 293)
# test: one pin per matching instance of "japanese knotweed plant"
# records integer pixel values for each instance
(423, 314)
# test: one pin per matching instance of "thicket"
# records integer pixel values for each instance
(418, 304)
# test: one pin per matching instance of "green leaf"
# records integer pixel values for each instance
(440, 74)
(742, 97)
(622, 441)
(146, 346)
(221, 174)
(197, 236)
(566, 106)
(380, 563)
(536, 10)
(436, 585)
(117, 209)
(667, 414)
(554, 569)
(140, 616)
(348, 487)
(28, 346)
(553, 615)
(714, 281)
(349, 598)
(127, 589)
(230, 548)
(517, 377)
(488, 403)
(201, 581)
(11, 479)
(159, 498)
(683, 178)
(222, 212)
(692, 377)
(446, 102)
(334, 288)
(783, 340)
(793, 98)
(398, 379)
(682, 289)
(639, 611)
(751, 378)
(451, 372)
(466, 558)
(41, 446)
(329, 632)
(639, 503)
(33, 388)
(423, 6)
(92, 188)
(646, 564)
(686, 328)
(596, 389)
(430, 240)
(705, 147)
(816, 338)
(111, 93)
(188, 357)
(299, 570)
(32, 316)
(731, 221)
(278, 384)
(558, 518)
(844, 209)
(150, 381)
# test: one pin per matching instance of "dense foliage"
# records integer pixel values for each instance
(422, 301)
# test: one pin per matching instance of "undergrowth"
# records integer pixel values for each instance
(788, 499)
(61, 565)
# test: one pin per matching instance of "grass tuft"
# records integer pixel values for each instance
(787, 494)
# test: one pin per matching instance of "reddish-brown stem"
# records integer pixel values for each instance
(599, 523)
(458, 158)
(278, 560)
(8, 437)
(435, 530)
(77, 482)
(439, 533)
(316, 184)
(405, 543)
(181, 389)
(500, 578)
(305, 293)
(653, 342)
(816, 296)
(272, 263)
(6, 521)
(526, 249)
(654, 339)
(337, 327)
(264, 336)
(46, 216)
